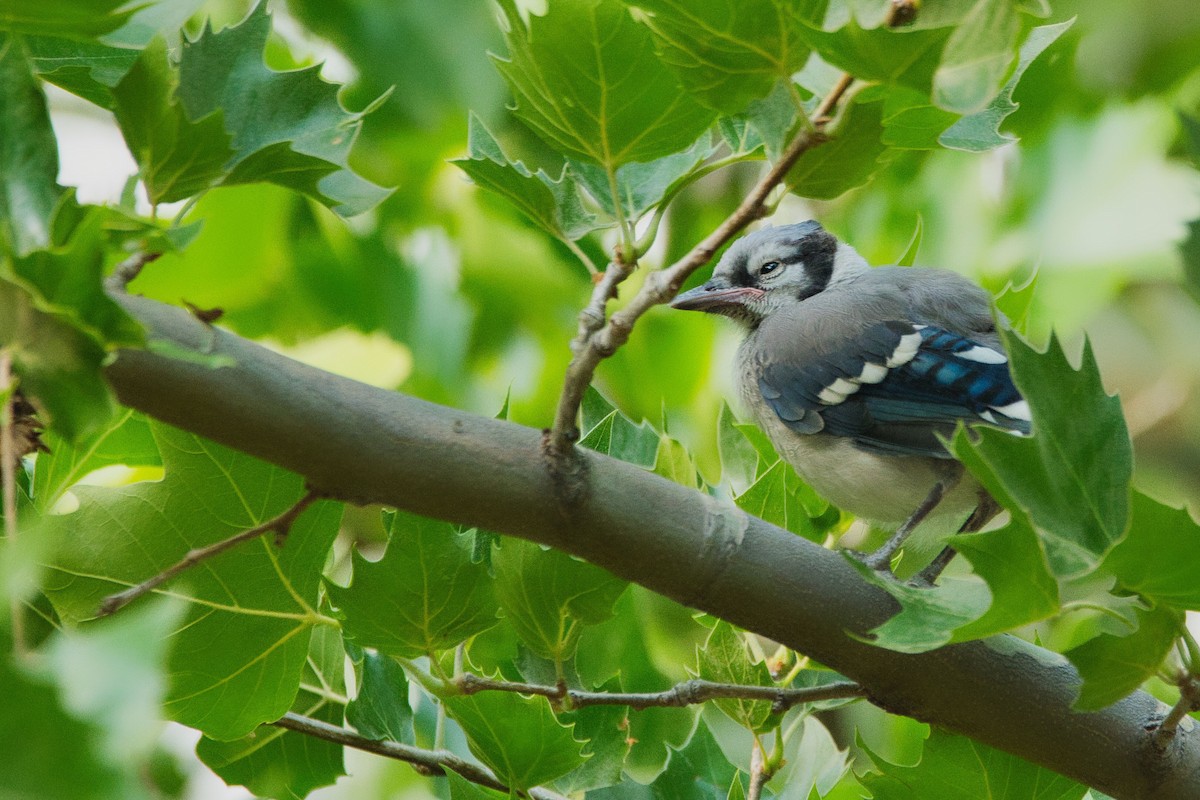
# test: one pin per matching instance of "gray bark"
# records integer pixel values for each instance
(368, 445)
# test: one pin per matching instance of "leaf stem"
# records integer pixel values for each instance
(1189, 700)
(683, 694)
(428, 762)
(280, 525)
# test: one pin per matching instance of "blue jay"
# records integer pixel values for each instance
(854, 372)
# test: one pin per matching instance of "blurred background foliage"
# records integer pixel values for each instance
(447, 292)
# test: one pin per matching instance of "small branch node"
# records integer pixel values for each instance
(124, 273)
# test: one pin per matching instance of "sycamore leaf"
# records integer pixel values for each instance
(725, 658)
(884, 55)
(57, 363)
(1072, 476)
(381, 709)
(1114, 666)
(178, 157)
(28, 151)
(957, 768)
(586, 79)
(282, 764)
(237, 659)
(78, 18)
(1189, 251)
(642, 185)
(980, 131)
(553, 204)
(549, 596)
(780, 497)
(86, 68)
(1158, 558)
(519, 738)
(608, 431)
(730, 52)
(696, 771)
(977, 57)
(847, 160)
(425, 595)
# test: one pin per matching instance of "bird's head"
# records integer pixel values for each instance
(771, 269)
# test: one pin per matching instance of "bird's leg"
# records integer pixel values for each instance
(987, 509)
(881, 559)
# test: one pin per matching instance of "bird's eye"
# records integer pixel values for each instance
(768, 268)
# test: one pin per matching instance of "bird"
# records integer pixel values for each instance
(858, 373)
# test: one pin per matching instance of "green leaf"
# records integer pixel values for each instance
(977, 57)
(88, 69)
(1072, 475)
(740, 461)
(519, 738)
(928, 615)
(33, 729)
(68, 273)
(381, 710)
(606, 729)
(1157, 557)
(957, 768)
(28, 151)
(288, 128)
(585, 78)
(813, 763)
(549, 596)
(610, 432)
(698, 771)
(674, 463)
(463, 789)
(112, 674)
(911, 121)
(178, 157)
(725, 658)
(1013, 564)
(277, 763)
(903, 56)
(78, 18)
(780, 497)
(728, 53)
(1015, 302)
(423, 596)
(980, 131)
(552, 204)
(58, 364)
(237, 659)
(848, 160)
(641, 186)
(1112, 667)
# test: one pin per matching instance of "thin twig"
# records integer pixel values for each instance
(280, 525)
(597, 340)
(124, 273)
(684, 694)
(8, 478)
(428, 762)
(1189, 700)
(758, 772)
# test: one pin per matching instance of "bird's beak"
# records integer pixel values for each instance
(713, 296)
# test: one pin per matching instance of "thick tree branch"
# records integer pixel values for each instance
(364, 444)
(683, 694)
(432, 762)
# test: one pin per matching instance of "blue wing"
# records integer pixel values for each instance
(896, 388)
